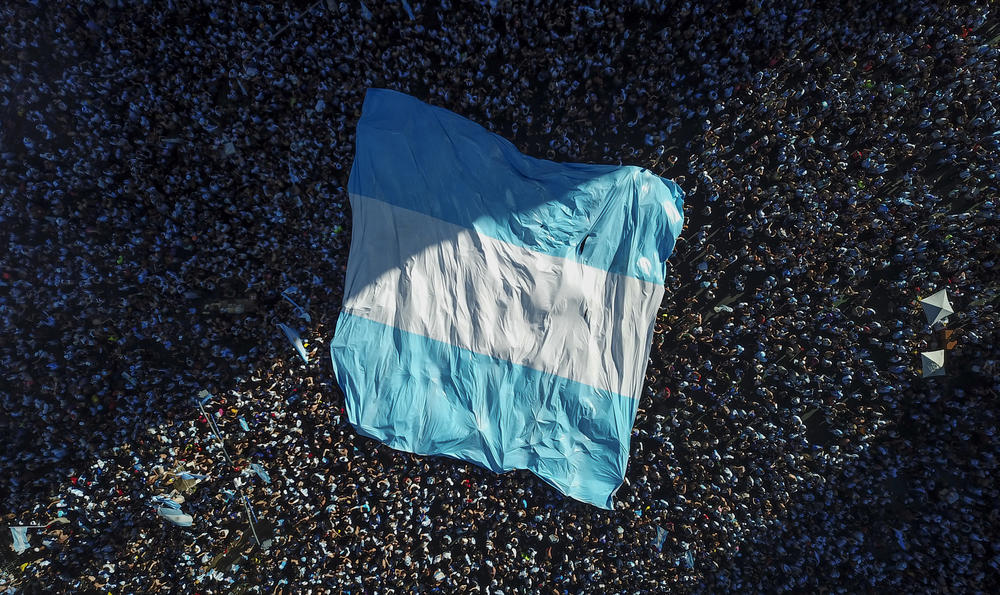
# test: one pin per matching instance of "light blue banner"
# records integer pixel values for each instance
(20, 536)
(498, 308)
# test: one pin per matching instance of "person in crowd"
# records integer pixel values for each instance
(173, 179)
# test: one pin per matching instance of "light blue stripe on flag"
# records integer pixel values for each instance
(434, 398)
(498, 308)
(433, 161)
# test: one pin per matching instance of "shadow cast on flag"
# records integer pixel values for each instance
(498, 308)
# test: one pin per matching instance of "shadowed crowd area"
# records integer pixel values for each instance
(173, 179)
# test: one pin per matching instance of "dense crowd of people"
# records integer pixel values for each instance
(173, 184)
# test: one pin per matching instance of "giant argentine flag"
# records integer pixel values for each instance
(498, 308)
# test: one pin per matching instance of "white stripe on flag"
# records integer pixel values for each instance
(425, 276)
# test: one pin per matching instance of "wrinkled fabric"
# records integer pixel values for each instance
(498, 308)
(20, 537)
(175, 516)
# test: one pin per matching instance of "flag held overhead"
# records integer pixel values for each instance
(498, 308)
